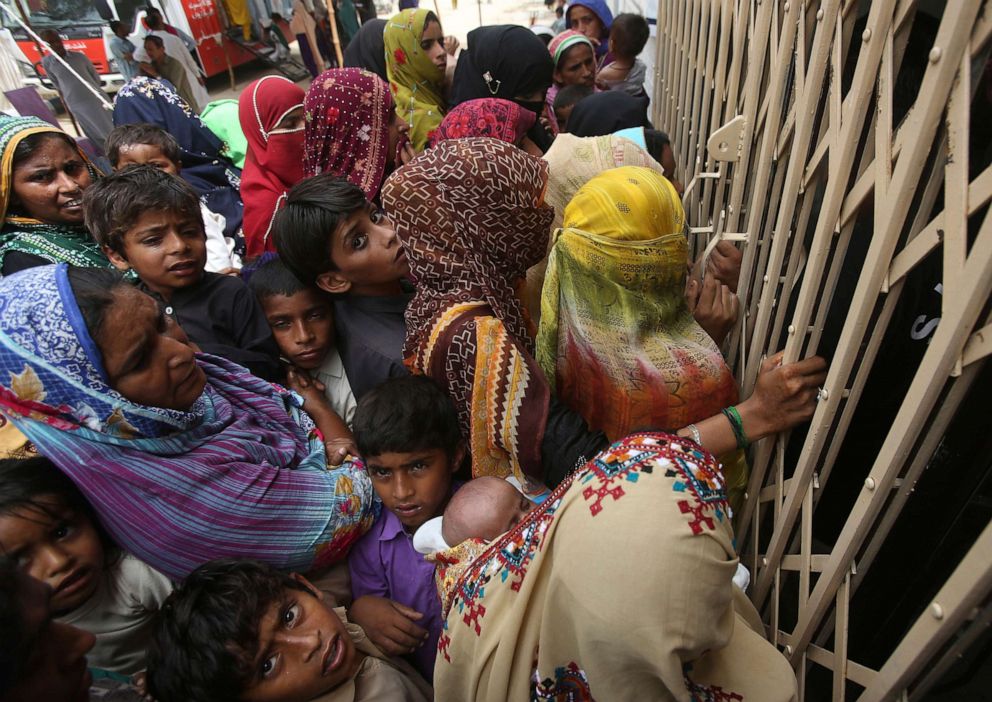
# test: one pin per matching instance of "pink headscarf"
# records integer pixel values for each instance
(485, 117)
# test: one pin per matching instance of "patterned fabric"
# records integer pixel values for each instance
(569, 577)
(215, 178)
(348, 112)
(56, 243)
(565, 41)
(241, 473)
(572, 162)
(486, 117)
(274, 162)
(417, 83)
(471, 218)
(617, 341)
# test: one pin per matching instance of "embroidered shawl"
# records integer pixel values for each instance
(417, 84)
(485, 117)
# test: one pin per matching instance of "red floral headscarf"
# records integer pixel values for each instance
(348, 112)
(485, 117)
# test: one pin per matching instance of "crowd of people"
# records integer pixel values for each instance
(427, 401)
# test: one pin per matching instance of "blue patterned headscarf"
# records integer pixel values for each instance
(234, 475)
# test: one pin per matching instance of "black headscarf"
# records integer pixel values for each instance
(367, 50)
(505, 61)
(608, 112)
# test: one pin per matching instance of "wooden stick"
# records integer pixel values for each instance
(334, 32)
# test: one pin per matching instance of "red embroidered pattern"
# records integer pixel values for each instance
(569, 684)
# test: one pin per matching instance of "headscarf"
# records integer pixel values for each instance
(214, 177)
(486, 117)
(234, 475)
(607, 112)
(368, 50)
(572, 162)
(637, 550)
(565, 41)
(601, 10)
(617, 341)
(505, 61)
(274, 162)
(347, 113)
(417, 84)
(56, 243)
(470, 215)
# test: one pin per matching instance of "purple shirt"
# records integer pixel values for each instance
(383, 563)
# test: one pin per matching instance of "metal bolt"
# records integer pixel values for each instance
(866, 35)
(788, 650)
(870, 483)
(786, 7)
(935, 54)
(765, 278)
(792, 329)
(937, 611)
(819, 14)
(824, 393)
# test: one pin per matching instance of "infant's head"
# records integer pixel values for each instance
(483, 508)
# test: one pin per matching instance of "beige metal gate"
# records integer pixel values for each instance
(786, 117)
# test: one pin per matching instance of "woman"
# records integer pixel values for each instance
(185, 457)
(489, 117)
(509, 62)
(606, 113)
(351, 129)
(368, 49)
(472, 219)
(617, 341)
(594, 19)
(42, 181)
(271, 114)
(574, 60)
(415, 62)
(617, 587)
(215, 178)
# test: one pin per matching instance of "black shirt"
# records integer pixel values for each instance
(221, 316)
(370, 335)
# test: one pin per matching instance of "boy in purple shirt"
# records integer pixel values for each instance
(407, 431)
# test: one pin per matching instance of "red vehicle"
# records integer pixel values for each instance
(82, 25)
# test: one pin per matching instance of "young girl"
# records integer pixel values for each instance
(50, 531)
(185, 457)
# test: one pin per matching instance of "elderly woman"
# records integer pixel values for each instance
(42, 181)
(472, 219)
(185, 457)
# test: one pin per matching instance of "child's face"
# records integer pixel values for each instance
(367, 253)
(303, 326)
(485, 513)
(56, 545)
(577, 66)
(414, 486)
(145, 154)
(304, 650)
(144, 355)
(562, 114)
(168, 251)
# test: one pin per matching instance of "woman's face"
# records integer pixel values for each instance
(584, 20)
(291, 122)
(48, 185)
(145, 354)
(432, 43)
(577, 66)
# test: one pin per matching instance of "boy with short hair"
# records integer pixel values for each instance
(407, 432)
(626, 72)
(149, 222)
(149, 144)
(330, 236)
(565, 102)
(242, 630)
(302, 321)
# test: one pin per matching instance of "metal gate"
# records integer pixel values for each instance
(845, 145)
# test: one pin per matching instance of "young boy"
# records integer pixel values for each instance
(626, 72)
(407, 432)
(302, 322)
(148, 144)
(328, 235)
(149, 222)
(242, 630)
(566, 100)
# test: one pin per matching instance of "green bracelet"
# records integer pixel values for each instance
(734, 417)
